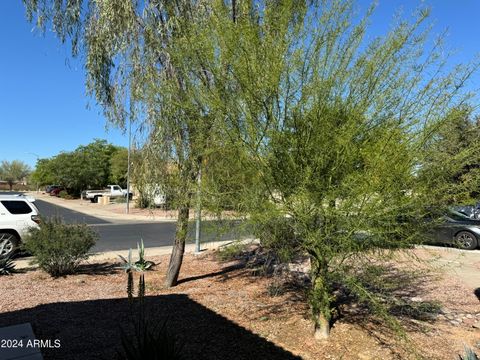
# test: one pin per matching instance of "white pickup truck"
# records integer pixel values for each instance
(114, 191)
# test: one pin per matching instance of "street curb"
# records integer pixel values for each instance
(24, 263)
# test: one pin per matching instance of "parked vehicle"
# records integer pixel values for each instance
(472, 211)
(457, 229)
(155, 196)
(18, 214)
(114, 191)
(49, 188)
(56, 191)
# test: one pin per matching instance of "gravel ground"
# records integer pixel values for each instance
(221, 311)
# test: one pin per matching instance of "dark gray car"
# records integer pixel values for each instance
(459, 230)
(472, 211)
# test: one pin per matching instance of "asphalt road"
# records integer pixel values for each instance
(122, 235)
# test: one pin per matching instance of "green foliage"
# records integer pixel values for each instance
(387, 291)
(7, 266)
(452, 160)
(65, 195)
(90, 166)
(59, 248)
(330, 127)
(232, 251)
(140, 265)
(118, 167)
(324, 119)
(13, 171)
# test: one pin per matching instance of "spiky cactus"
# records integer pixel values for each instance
(7, 266)
(469, 355)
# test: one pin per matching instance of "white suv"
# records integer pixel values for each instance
(18, 214)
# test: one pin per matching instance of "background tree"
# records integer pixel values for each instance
(89, 166)
(13, 172)
(44, 173)
(453, 156)
(119, 166)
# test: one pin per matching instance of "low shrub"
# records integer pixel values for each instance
(120, 200)
(232, 251)
(65, 195)
(59, 248)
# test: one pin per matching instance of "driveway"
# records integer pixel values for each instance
(463, 264)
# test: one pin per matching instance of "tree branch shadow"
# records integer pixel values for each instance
(91, 329)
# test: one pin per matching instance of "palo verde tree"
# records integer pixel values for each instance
(13, 171)
(336, 127)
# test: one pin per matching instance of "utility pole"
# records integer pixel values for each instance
(38, 158)
(198, 211)
(127, 210)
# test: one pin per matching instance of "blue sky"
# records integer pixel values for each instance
(43, 106)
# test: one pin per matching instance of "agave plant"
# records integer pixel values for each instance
(141, 264)
(469, 355)
(7, 266)
(151, 341)
(127, 265)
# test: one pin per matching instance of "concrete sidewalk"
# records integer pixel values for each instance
(24, 263)
(463, 264)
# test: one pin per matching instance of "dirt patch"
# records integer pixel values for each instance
(222, 311)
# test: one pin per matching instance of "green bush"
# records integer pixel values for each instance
(232, 251)
(59, 248)
(65, 195)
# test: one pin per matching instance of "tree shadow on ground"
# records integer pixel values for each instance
(477, 293)
(104, 268)
(91, 329)
(399, 306)
(224, 271)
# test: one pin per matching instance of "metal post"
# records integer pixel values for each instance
(198, 212)
(38, 158)
(127, 210)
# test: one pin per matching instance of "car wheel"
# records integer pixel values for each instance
(95, 199)
(8, 244)
(466, 240)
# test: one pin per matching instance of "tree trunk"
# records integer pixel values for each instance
(322, 327)
(10, 184)
(178, 247)
(320, 300)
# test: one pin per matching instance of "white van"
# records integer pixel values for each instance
(18, 214)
